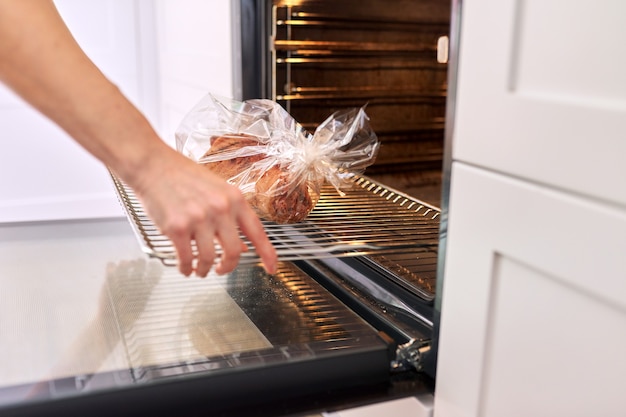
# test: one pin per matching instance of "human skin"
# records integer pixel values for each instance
(41, 61)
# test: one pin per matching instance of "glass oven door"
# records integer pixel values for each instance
(89, 323)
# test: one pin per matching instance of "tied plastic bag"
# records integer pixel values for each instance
(279, 167)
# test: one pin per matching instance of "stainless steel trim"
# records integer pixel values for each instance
(383, 296)
(236, 50)
(273, 54)
(453, 66)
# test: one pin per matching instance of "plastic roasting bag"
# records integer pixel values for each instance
(279, 167)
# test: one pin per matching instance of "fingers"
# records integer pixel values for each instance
(206, 251)
(223, 227)
(228, 236)
(232, 247)
(252, 227)
(216, 224)
(182, 243)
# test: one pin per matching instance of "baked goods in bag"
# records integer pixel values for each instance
(274, 193)
(279, 166)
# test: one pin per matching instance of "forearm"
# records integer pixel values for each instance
(41, 61)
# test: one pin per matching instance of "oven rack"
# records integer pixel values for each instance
(370, 92)
(399, 128)
(329, 48)
(370, 219)
(348, 22)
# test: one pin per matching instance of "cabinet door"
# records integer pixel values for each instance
(534, 302)
(542, 93)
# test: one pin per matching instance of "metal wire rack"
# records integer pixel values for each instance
(396, 231)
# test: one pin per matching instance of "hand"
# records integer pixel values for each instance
(189, 203)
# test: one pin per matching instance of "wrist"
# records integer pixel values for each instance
(143, 165)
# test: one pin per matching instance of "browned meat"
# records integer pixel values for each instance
(277, 195)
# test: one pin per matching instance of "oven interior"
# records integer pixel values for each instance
(315, 57)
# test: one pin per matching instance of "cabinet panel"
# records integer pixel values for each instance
(534, 302)
(549, 346)
(541, 92)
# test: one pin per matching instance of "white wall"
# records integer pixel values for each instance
(164, 54)
(195, 49)
(45, 175)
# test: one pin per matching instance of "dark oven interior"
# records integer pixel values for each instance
(318, 56)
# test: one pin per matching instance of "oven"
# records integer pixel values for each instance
(316, 57)
(351, 316)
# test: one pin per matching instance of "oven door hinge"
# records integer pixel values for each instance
(409, 356)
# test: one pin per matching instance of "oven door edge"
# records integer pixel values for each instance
(251, 54)
(430, 360)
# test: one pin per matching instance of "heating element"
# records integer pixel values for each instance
(392, 230)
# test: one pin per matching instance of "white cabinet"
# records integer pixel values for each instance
(534, 291)
(534, 302)
(542, 93)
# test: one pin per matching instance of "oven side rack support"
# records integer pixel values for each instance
(399, 315)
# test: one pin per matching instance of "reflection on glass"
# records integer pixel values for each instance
(151, 323)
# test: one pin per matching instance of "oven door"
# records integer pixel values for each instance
(90, 324)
